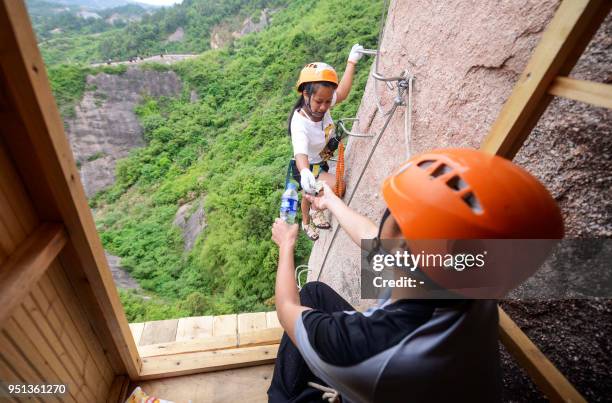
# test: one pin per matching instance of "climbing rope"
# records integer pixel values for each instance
(340, 187)
(408, 120)
(395, 105)
(329, 394)
(298, 274)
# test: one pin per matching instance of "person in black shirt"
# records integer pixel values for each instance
(408, 349)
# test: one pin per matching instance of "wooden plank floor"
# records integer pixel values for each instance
(201, 327)
(177, 336)
(234, 385)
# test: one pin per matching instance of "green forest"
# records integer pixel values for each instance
(94, 40)
(228, 149)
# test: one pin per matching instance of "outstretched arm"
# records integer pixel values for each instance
(286, 296)
(356, 225)
(344, 88)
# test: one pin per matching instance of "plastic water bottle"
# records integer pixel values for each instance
(289, 203)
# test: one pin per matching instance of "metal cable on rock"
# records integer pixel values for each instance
(382, 132)
(404, 84)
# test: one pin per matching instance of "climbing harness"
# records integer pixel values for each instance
(404, 87)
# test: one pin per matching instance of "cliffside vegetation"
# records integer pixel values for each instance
(230, 149)
(95, 40)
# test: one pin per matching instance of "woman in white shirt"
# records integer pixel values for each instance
(311, 127)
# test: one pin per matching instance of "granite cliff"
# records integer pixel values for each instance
(465, 61)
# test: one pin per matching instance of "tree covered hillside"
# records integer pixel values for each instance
(230, 150)
(51, 19)
(98, 40)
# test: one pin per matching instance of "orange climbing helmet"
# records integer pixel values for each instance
(314, 72)
(469, 194)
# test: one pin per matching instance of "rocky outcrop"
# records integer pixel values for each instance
(121, 277)
(177, 36)
(191, 220)
(224, 33)
(106, 128)
(249, 25)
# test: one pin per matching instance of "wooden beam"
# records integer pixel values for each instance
(44, 160)
(272, 319)
(159, 331)
(249, 322)
(548, 378)
(27, 264)
(194, 327)
(167, 366)
(225, 324)
(560, 47)
(259, 337)
(73, 303)
(137, 329)
(564, 40)
(233, 385)
(118, 390)
(210, 343)
(590, 92)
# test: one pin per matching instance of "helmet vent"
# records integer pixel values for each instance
(456, 183)
(425, 164)
(472, 201)
(441, 170)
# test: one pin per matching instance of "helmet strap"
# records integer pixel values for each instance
(308, 90)
(308, 109)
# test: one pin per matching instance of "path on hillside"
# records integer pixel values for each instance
(164, 59)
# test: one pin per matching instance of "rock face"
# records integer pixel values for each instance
(223, 34)
(177, 36)
(121, 277)
(465, 64)
(190, 222)
(466, 60)
(249, 26)
(105, 128)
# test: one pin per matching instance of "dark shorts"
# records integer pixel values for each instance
(295, 173)
(291, 373)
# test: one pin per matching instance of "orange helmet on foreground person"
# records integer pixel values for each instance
(462, 200)
(469, 194)
(316, 72)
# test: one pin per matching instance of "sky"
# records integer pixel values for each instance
(160, 2)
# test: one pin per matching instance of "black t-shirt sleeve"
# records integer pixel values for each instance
(346, 339)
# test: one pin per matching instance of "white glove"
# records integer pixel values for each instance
(307, 181)
(355, 54)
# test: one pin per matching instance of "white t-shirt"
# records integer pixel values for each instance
(310, 137)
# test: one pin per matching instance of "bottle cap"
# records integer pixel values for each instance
(291, 186)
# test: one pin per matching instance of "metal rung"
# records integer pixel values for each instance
(371, 52)
(298, 272)
(376, 75)
(350, 133)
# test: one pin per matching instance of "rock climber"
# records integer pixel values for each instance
(311, 127)
(408, 349)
